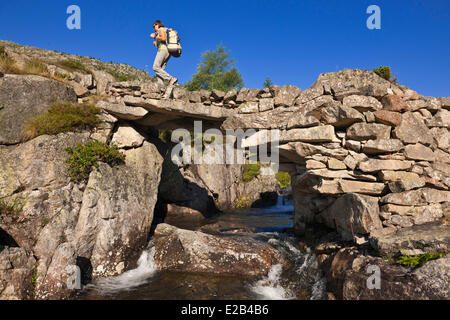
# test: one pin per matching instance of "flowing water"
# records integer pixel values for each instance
(296, 279)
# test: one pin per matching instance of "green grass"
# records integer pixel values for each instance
(37, 67)
(73, 65)
(417, 260)
(120, 77)
(283, 178)
(62, 117)
(250, 171)
(84, 157)
(34, 279)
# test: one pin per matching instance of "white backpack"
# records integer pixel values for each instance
(173, 42)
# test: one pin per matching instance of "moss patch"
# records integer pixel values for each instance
(418, 260)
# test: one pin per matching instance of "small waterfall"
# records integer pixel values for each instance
(302, 276)
(130, 279)
(269, 288)
(283, 205)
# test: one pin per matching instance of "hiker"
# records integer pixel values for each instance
(163, 55)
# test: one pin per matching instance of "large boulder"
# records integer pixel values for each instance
(23, 97)
(352, 82)
(117, 211)
(353, 214)
(194, 251)
(414, 240)
(412, 129)
(286, 95)
(428, 282)
(16, 267)
(64, 224)
(36, 172)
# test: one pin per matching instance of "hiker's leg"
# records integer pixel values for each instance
(164, 65)
(160, 63)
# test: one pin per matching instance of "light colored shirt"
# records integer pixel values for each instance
(161, 45)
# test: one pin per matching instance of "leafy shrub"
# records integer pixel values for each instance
(250, 171)
(62, 117)
(384, 72)
(418, 260)
(283, 178)
(86, 156)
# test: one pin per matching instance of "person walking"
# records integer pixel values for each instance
(162, 55)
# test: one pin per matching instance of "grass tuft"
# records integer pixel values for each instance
(37, 67)
(12, 207)
(7, 64)
(62, 117)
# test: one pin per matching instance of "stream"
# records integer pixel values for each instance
(298, 278)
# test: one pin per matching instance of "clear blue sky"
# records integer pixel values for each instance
(289, 41)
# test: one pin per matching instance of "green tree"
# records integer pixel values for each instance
(267, 83)
(216, 71)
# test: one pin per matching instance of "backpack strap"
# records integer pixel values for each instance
(167, 36)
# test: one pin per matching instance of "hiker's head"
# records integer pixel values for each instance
(157, 24)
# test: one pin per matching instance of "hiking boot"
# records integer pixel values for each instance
(168, 93)
(173, 81)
